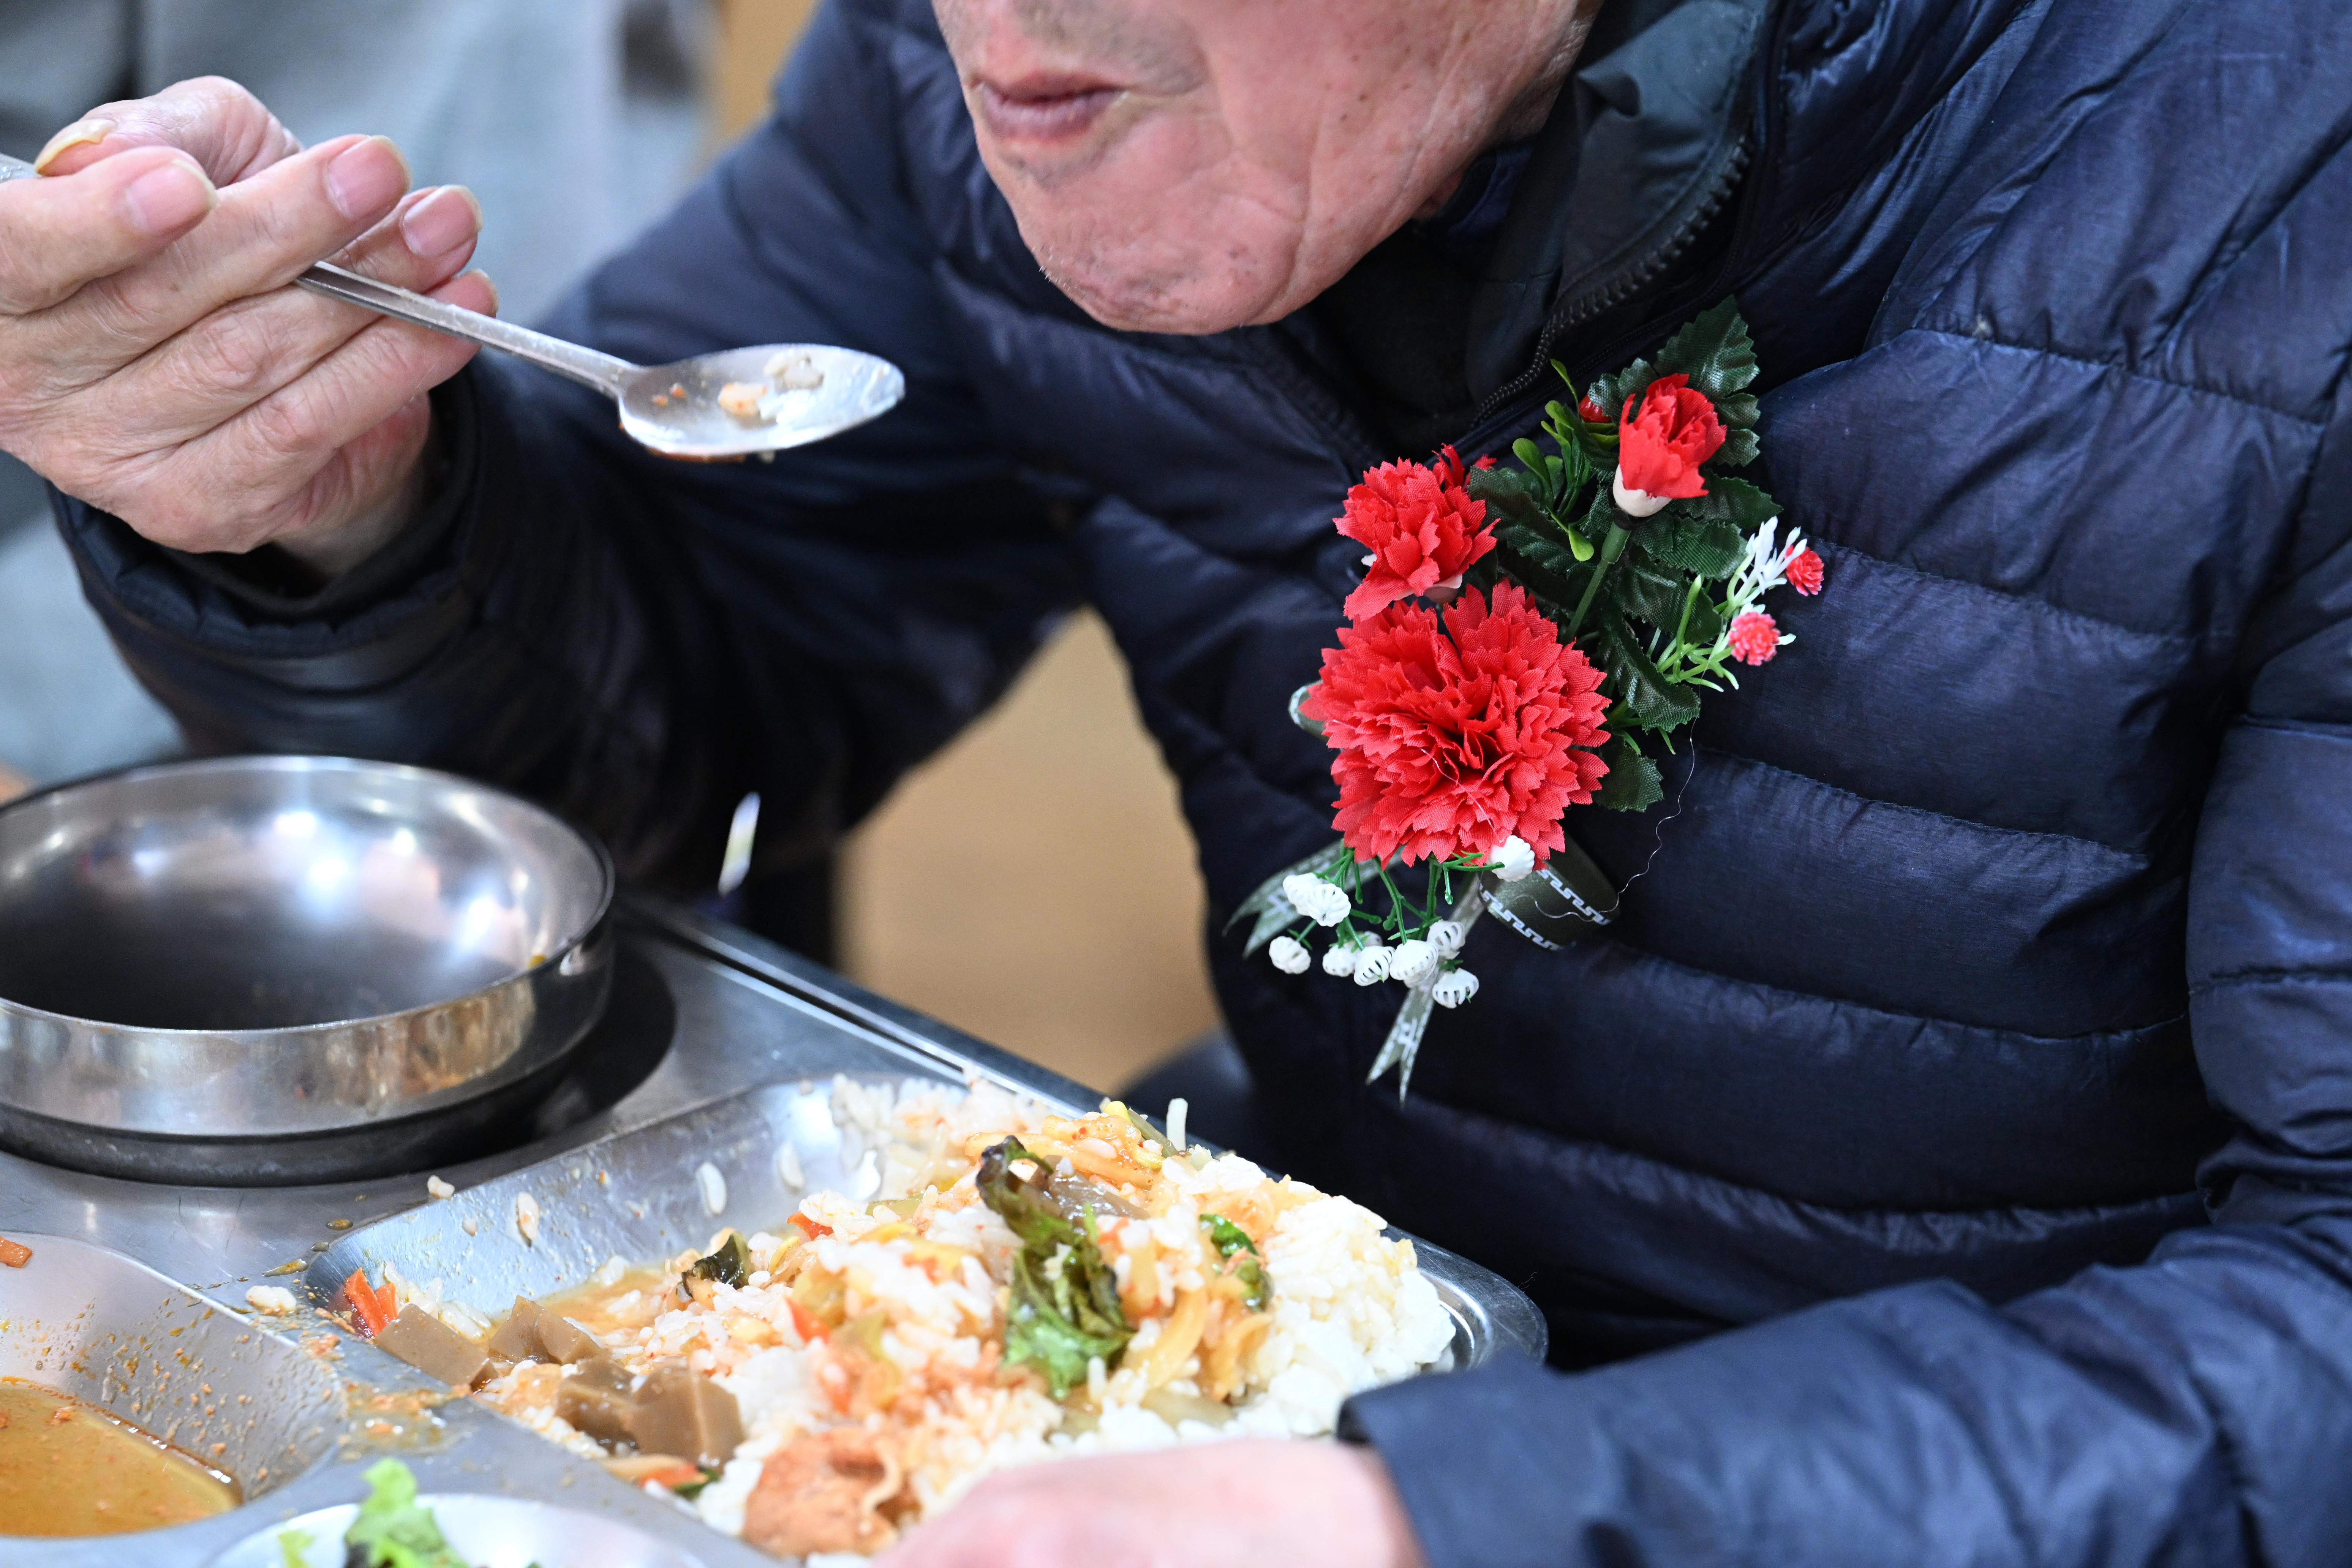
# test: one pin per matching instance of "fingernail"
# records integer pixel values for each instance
(366, 179)
(168, 197)
(441, 222)
(75, 135)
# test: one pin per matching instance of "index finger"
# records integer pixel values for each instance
(227, 131)
(56, 235)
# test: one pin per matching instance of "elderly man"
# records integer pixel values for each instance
(1949, 1149)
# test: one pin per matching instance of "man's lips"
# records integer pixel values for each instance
(1041, 109)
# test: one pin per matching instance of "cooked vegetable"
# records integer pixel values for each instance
(292, 1545)
(516, 1339)
(14, 1254)
(371, 1309)
(434, 1348)
(1229, 1238)
(566, 1341)
(730, 1265)
(1065, 1310)
(393, 1530)
(596, 1399)
(681, 1412)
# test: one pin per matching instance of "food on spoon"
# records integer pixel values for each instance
(793, 371)
(740, 400)
(67, 1468)
(14, 1254)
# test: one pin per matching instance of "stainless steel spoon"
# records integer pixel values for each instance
(779, 395)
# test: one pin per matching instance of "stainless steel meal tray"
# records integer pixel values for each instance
(642, 1198)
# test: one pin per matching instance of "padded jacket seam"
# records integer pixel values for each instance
(2071, 356)
(2081, 618)
(2236, 979)
(1849, 1211)
(2130, 857)
(1995, 1031)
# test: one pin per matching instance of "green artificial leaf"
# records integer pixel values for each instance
(1709, 550)
(1639, 695)
(1613, 392)
(1548, 547)
(1705, 623)
(1739, 411)
(1646, 593)
(1632, 783)
(1738, 449)
(1715, 351)
(1229, 1238)
(1555, 595)
(1735, 502)
(730, 1265)
(1064, 1309)
(393, 1530)
(1509, 493)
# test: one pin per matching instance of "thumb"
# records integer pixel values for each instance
(225, 128)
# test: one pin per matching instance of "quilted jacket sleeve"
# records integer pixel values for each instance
(2194, 1410)
(598, 626)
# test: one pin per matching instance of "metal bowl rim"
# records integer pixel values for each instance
(599, 919)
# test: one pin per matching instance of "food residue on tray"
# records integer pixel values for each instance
(14, 1254)
(1027, 1287)
(67, 1468)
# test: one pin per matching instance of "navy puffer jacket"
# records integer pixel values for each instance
(1960, 1116)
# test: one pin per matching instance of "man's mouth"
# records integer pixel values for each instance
(1042, 108)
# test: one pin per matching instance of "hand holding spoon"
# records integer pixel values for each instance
(777, 395)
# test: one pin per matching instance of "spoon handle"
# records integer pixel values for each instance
(588, 367)
(601, 371)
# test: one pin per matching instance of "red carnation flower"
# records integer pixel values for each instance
(1422, 528)
(1804, 572)
(1455, 734)
(1755, 638)
(1661, 446)
(1592, 413)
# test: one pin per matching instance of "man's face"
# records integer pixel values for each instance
(1190, 165)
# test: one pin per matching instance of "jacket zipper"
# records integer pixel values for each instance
(1623, 286)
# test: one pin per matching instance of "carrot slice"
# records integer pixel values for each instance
(810, 1326)
(809, 1227)
(372, 1307)
(14, 1254)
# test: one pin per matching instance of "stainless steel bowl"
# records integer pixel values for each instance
(258, 969)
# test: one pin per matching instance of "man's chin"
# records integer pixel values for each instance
(1186, 302)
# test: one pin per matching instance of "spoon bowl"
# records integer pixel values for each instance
(806, 393)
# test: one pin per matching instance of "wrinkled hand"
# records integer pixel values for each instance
(1222, 1505)
(151, 363)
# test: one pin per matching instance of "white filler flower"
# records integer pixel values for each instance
(1412, 960)
(1513, 859)
(1446, 937)
(1373, 963)
(1323, 902)
(1289, 954)
(1339, 961)
(1454, 987)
